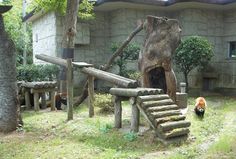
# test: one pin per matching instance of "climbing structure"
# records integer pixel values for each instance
(165, 117)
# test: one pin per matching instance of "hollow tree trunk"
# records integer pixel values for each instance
(8, 90)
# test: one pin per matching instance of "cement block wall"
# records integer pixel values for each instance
(44, 36)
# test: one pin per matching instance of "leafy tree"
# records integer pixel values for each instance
(129, 53)
(13, 26)
(195, 51)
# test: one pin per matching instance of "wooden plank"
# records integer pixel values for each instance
(145, 116)
(161, 114)
(163, 108)
(91, 95)
(135, 115)
(173, 125)
(169, 118)
(118, 112)
(51, 59)
(69, 77)
(152, 97)
(175, 133)
(163, 102)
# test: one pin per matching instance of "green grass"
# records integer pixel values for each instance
(46, 135)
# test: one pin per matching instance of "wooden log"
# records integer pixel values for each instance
(163, 108)
(152, 91)
(118, 112)
(27, 99)
(69, 77)
(51, 59)
(169, 118)
(41, 90)
(52, 100)
(145, 116)
(173, 140)
(173, 125)
(175, 133)
(43, 101)
(91, 95)
(125, 92)
(135, 115)
(155, 115)
(36, 101)
(152, 97)
(112, 79)
(163, 102)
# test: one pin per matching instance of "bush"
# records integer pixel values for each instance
(31, 73)
(195, 51)
(104, 101)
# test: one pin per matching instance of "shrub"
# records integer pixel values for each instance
(31, 73)
(130, 136)
(195, 51)
(104, 101)
(131, 52)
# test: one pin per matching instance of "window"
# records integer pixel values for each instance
(232, 49)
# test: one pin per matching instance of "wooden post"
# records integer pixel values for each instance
(69, 77)
(43, 100)
(36, 101)
(27, 99)
(91, 95)
(52, 98)
(118, 112)
(135, 115)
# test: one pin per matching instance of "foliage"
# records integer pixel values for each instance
(195, 51)
(133, 75)
(13, 26)
(85, 7)
(31, 73)
(130, 136)
(104, 101)
(131, 52)
(106, 128)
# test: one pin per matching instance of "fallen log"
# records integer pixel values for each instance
(175, 133)
(163, 102)
(152, 97)
(163, 108)
(155, 115)
(173, 125)
(169, 118)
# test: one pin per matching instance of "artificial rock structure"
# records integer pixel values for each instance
(162, 38)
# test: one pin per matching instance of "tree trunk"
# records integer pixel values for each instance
(186, 80)
(8, 90)
(68, 38)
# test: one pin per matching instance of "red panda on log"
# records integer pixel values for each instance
(200, 106)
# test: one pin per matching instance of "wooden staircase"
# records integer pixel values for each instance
(165, 117)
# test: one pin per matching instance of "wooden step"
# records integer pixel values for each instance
(173, 140)
(173, 125)
(162, 108)
(169, 118)
(175, 133)
(163, 102)
(161, 114)
(152, 97)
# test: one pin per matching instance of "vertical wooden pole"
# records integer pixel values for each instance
(118, 112)
(69, 77)
(91, 95)
(135, 115)
(43, 100)
(27, 99)
(36, 101)
(52, 98)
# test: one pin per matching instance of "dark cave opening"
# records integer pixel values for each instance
(157, 78)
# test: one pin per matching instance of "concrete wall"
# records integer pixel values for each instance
(44, 35)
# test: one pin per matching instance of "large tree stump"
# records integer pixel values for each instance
(162, 38)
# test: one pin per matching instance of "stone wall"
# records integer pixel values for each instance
(44, 36)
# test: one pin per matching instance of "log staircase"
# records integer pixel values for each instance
(165, 117)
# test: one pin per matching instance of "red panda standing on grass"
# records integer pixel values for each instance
(200, 106)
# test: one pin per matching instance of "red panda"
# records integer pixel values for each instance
(60, 98)
(200, 106)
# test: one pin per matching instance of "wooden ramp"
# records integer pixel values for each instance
(165, 117)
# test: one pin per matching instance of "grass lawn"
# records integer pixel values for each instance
(46, 135)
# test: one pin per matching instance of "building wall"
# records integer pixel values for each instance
(114, 26)
(44, 36)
